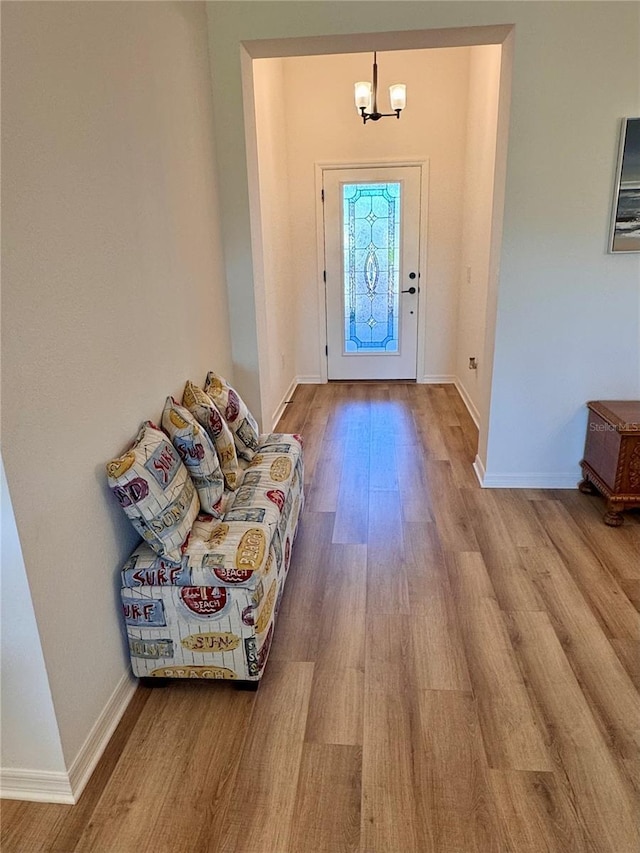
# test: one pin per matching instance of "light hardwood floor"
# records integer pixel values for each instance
(453, 670)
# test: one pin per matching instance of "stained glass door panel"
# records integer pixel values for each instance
(371, 241)
(372, 258)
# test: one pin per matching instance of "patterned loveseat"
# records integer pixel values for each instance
(208, 611)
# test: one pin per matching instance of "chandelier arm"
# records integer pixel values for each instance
(376, 115)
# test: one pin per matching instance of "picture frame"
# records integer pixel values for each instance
(625, 220)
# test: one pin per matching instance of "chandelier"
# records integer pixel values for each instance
(367, 97)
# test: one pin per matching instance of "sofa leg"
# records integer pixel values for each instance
(252, 686)
(154, 682)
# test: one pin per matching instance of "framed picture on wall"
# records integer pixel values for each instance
(625, 225)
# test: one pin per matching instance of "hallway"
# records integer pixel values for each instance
(452, 670)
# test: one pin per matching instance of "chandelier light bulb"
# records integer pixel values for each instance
(398, 96)
(363, 95)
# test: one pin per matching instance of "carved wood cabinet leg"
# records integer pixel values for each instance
(586, 487)
(613, 517)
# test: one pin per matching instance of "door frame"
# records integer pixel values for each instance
(320, 168)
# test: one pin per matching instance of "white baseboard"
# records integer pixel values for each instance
(523, 481)
(36, 786)
(529, 481)
(478, 467)
(281, 405)
(312, 379)
(466, 399)
(100, 735)
(46, 787)
(450, 379)
(437, 379)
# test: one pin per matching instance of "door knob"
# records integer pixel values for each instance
(410, 290)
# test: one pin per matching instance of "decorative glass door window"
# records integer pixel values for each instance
(371, 245)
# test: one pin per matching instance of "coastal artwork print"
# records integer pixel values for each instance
(625, 229)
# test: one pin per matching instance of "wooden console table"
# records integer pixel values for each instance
(612, 456)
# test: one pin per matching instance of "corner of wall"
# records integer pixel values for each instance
(33, 765)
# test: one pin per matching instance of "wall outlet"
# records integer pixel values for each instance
(473, 363)
(468, 275)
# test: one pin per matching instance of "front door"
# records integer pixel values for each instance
(372, 256)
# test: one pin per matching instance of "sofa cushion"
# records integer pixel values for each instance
(206, 413)
(236, 414)
(156, 492)
(198, 454)
(271, 480)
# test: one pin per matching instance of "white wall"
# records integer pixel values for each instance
(567, 315)
(568, 319)
(477, 198)
(325, 128)
(30, 737)
(280, 289)
(113, 295)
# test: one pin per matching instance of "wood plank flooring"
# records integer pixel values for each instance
(452, 671)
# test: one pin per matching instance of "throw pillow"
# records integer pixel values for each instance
(198, 454)
(235, 412)
(156, 492)
(205, 412)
